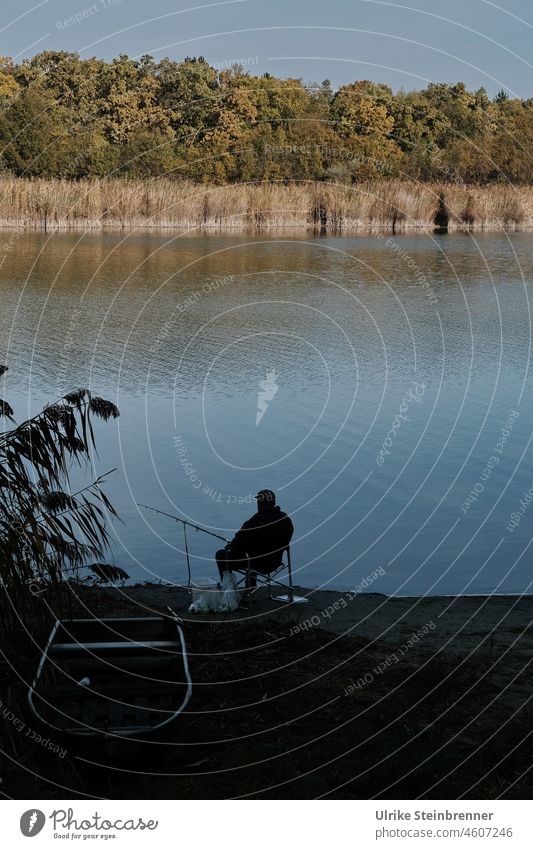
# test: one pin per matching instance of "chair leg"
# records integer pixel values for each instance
(291, 591)
(250, 589)
(290, 597)
(249, 583)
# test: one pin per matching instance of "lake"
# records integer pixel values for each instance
(381, 386)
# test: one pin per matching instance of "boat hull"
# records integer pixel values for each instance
(117, 683)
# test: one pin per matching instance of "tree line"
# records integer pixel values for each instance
(66, 117)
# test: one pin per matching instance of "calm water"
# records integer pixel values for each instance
(393, 370)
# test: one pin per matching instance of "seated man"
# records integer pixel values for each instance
(264, 537)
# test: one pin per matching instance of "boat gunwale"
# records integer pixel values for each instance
(134, 734)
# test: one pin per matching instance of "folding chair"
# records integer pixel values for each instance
(268, 578)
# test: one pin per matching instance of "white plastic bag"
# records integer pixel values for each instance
(220, 600)
(230, 595)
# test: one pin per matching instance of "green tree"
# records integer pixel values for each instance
(29, 132)
(501, 96)
(189, 92)
(147, 153)
(512, 141)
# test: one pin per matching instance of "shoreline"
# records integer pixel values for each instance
(463, 623)
(358, 229)
(164, 584)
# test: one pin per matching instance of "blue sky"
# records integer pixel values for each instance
(404, 44)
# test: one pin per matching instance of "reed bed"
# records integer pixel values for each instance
(393, 205)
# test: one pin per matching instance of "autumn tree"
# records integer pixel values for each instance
(512, 141)
(188, 94)
(129, 102)
(9, 87)
(362, 119)
(64, 116)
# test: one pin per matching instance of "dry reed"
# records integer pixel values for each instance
(385, 205)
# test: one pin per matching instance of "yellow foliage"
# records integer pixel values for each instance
(8, 86)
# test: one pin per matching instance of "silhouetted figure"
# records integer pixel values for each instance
(264, 537)
(442, 216)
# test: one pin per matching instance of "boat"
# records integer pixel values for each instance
(123, 679)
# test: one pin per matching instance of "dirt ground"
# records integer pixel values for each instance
(345, 696)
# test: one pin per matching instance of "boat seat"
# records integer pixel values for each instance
(71, 648)
(107, 690)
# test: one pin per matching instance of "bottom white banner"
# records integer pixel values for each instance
(236, 824)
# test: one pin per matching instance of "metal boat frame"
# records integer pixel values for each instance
(92, 733)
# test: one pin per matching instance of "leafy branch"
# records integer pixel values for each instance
(46, 531)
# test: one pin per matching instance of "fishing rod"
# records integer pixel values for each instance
(185, 523)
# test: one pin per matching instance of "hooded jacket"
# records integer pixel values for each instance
(264, 537)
